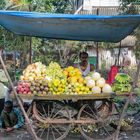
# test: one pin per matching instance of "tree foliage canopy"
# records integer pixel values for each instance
(43, 50)
(47, 50)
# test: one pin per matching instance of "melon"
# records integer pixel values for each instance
(100, 82)
(96, 76)
(90, 83)
(107, 88)
(96, 89)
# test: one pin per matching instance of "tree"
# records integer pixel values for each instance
(137, 53)
(129, 6)
(53, 6)
(10, 41)
(132, 7)
(60, 48)
(61, 51)
(2, 4)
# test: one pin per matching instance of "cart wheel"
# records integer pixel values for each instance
(104, 109)
(100, 130)
(29, 111)
(50, 111)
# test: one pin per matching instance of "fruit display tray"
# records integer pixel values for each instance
(73, 97)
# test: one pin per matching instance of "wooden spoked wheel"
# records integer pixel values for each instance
(50, 120)
(103, 109)
(101, 129)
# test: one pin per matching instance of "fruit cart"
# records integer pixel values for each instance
(95, 116)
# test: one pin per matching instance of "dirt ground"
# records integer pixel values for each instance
(23, 135)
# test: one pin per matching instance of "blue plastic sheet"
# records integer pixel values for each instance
(70, 27)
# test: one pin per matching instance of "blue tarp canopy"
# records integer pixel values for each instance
(70, 27)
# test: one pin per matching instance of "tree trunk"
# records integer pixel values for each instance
(97, 54)
(137, 74)
(30, 50)
(119, 54)
(23, 59)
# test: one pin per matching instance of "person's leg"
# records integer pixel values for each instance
(1, 105)
(5, 120)
(13, 118)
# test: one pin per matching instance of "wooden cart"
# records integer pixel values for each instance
(95, 116)
(54, 116)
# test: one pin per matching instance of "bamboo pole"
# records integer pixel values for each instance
(19, 101)
(30, 52)
(97, 47)
(78, 10)
(122, 116)
(97, 54)
(119, 53)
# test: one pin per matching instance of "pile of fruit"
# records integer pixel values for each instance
(97, 84)
(39, 87)
(42, 80)
(122, 83)
(76, 83)
(24, 88)
(57, 80)
(35, 71)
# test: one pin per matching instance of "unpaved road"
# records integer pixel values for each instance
(23, 135)
(133, 134)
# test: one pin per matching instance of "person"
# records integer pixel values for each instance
(4, 95)
(11, 117)
(126, 63)
(112, 73)
(84, 66)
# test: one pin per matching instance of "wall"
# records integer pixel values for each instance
(105, 2)
(88, 4)
(108, 56)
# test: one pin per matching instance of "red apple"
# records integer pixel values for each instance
(25, 92)
(27, 89)
(22, 89)
(28, 84)
(19, 92)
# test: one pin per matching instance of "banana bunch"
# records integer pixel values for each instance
(117, 87)
(86, 128)
(123, 78)
(75, 130)
(122, 83)
(125, 125)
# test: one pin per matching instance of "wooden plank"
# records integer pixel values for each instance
(72, 97)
